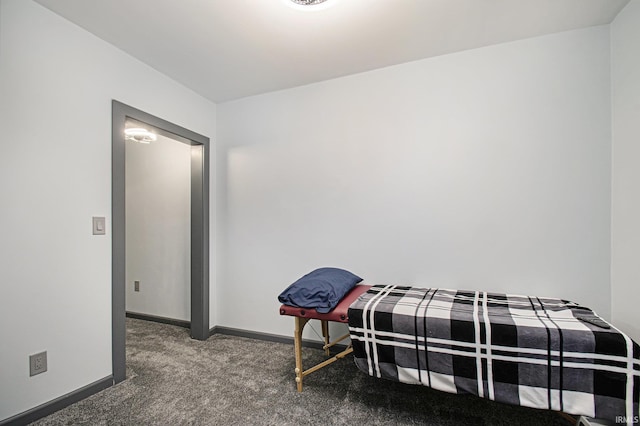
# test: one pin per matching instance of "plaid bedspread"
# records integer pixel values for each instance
(522, 350)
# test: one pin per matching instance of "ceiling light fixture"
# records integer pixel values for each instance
(308, 2)
(309, 5)
(139, 134)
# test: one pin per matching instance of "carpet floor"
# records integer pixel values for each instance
(228, 380)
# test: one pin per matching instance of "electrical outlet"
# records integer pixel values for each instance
(136, 286)
(37, 363)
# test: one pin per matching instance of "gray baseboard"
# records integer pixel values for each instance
(57, 404)
(86, 391)
(269, 337)
(155, 318)
(229, 331)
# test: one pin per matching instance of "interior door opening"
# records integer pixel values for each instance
(124, 116)
(158, 220)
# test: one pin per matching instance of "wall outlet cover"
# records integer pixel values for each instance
(37, 363)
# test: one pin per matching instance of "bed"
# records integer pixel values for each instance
(531, 351)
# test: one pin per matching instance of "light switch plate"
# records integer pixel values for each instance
(99, 225)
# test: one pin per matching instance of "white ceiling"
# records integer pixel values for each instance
(228, 49)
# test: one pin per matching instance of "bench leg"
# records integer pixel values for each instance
(297, 340)
(325, 334)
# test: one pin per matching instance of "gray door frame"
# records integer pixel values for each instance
(199, 226)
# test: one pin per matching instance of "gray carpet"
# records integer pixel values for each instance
(173, 380)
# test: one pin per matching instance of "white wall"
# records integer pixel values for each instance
(625, 212)
(486, 169)
(158, 232)
(56, 86)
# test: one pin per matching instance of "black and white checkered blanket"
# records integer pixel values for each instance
(522, 350)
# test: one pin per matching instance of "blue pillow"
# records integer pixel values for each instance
(321, 289)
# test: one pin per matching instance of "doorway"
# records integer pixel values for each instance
(199, 226)
(158, 226)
